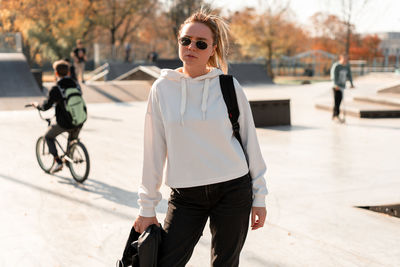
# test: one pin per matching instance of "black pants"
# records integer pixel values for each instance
(55, 130)
(227, 204)
(338, 95)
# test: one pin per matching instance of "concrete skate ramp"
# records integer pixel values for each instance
(16, 79)
(143, 73)
(390, 90)
(116, 69)
(249, 73)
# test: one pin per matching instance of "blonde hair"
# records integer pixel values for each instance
(220, 32)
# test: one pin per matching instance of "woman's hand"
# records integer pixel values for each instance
(141, 223)
(258, 215)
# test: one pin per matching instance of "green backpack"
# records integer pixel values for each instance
(74, 105)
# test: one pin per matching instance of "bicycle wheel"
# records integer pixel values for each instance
(79, 164)
(43, 156)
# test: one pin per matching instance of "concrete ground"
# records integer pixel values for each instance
(318, 172)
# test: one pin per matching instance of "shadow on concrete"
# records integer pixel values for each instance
(111, 193)
(66, 197)
(258, 261)
(87, 129)
(288, 128)
(373, 126)
(127, 92)
(105, 118)
(107, 95)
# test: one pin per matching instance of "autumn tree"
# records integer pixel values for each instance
(178, 11)
(329, 33)
(48, 30)
(366, 47)
(182, 9)
(349, 12)
(151, 37)
(120, 18)
(267, 35)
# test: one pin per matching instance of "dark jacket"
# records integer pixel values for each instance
(340, 74)
(141, 250)
(55, 97)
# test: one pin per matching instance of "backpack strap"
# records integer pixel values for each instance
(64, 95)
(73, 94)
(229, 94)
(62, 92)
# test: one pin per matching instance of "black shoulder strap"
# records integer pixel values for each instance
(229, 94)
(61, 91)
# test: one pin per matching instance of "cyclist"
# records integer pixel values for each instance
(63, 118)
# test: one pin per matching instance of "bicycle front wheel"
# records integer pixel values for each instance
(43, 156)
(79, 163)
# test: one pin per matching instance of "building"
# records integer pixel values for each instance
(390, 43)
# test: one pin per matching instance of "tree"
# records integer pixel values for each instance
(366, 48)
(48, 30)
(329, 33)
(348, 15)
(178, 12)
(181, 10)
(267, 35)
(120, 18)
(151, 37)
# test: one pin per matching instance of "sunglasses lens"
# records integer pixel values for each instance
(185, 41)
(201, 45)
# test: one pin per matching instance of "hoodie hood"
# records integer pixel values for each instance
(178, 76)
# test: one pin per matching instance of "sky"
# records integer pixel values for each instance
(376, 15)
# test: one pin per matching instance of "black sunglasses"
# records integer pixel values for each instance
(185, 41)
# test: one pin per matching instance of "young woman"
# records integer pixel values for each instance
(187, 123)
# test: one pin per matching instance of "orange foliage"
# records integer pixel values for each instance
(365, 48)
(329, 35)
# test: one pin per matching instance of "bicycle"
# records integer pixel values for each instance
(75, 156)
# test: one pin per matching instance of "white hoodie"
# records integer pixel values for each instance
(187, 123)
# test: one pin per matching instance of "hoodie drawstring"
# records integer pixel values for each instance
(203, 102)
(205, 96)
(183, 98)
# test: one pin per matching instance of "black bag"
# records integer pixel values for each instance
(229, 94)
(142, 249)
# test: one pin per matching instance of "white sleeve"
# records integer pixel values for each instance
(248, 134)
(155, 151)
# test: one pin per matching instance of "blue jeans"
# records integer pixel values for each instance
(227, 204)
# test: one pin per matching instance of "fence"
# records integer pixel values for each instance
(120, 53)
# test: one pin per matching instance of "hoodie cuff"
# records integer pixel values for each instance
(147, 212)
(259, 201)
